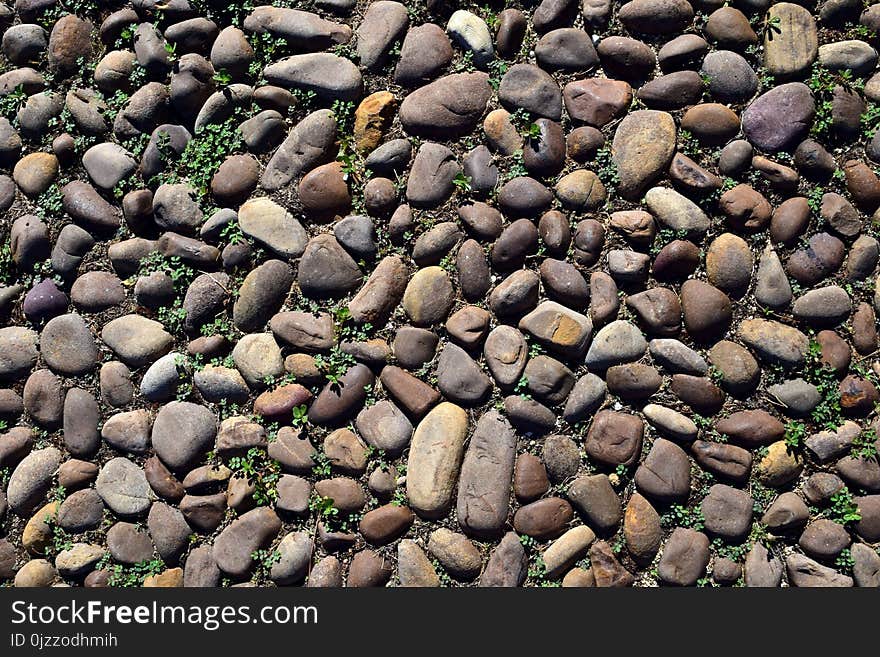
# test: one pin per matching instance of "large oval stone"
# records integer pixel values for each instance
(643, 146)
(791, 42)
(435, 458)
(781, 118)
(484, 485)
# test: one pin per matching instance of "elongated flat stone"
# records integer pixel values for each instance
(434, 460)
(484, 484)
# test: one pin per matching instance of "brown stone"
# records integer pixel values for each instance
(383, 525)
(371, 118)
(544, 519)
(615, 438)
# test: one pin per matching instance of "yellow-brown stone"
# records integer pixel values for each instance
(171, 578)
(780, 465)
(371, 118)
(37, 533)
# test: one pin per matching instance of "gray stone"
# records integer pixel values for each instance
(182, 433)
(124, 488)
(31, 479)
(486, 472)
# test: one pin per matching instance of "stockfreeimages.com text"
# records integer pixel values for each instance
(209, 617)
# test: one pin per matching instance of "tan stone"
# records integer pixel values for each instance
(641, 529)
(37, 533)
(559, 328)
(171, 578)
(643, 146)
(501, 133)
(435, 457)
(371, 118)
(35, 172)
(790, 40)
(780, 465)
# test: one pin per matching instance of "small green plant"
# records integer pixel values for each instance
(305, 99)
(220, 326)
(322, 465)
(345, 50)
(171, 49)
(490, 17)
(532, 132)
(862, 32)
(864, 446)
(528, 542)
(447, 263)
(58, 494)
(827, 412)
(223, 78)
(681, 516)
(11, 103)
(261, 471)
(844, 561)
(343, 113)
(535, 348)
(232, 234)
(525, 125)
(207, 150)
(606, 169)
(350, 164)
(537, 572)
(733, 552)
(795, 433)
(379, 457)
(335, 365)
(521, 118)
(173, 316)
(267, 49)
(497, 69)
(442, 574)
(174, 267)
(814, 198)
(466, 63)
(766, 80)
(822, 83)
(61, 540)
(133, 576)
(687, 143)
(843, 509)
(126, 38)
(263, 562)
(134, 145)
(772, 26)
(299, 416)
(517, 167)
(229, 409)
(759, 534)
(462, 182)
(664, 236)
(323, 507)
(49, 202)
(7, 275)
(522, 387)
(399, 498)
(707, 428)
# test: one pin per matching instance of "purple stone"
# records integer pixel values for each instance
(44, 300)
(780, 118)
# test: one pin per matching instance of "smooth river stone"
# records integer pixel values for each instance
(434, 460)
(484, 485)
